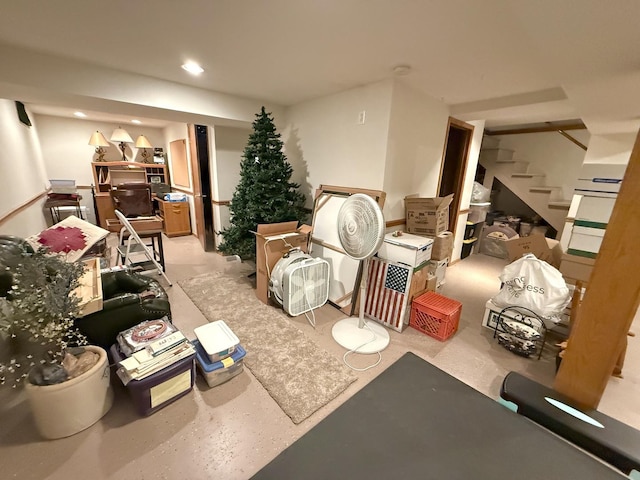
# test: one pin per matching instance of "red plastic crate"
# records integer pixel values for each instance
(435, 315)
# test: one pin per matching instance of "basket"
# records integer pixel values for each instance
(435, 315)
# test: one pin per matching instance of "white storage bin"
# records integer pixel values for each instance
(216, 373)
(217, 340)
(409, 249)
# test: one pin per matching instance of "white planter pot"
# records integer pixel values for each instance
(67, 408)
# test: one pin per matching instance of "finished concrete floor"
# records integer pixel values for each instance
(231, 431)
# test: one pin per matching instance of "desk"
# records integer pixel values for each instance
(415, 421)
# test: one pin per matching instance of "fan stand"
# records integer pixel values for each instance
(352, 334)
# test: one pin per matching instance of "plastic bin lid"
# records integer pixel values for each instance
(208, 366)
(216, 337)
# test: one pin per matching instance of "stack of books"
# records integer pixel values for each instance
(150, 347)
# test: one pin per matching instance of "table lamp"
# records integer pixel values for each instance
(143, 143)
(97, 140)
(121, 135)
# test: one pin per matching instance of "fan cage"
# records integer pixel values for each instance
(360, 226)
(306, 286)
(277, 274)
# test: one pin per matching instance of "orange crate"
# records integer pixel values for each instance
(435, 315)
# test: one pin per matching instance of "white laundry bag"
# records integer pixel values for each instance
(534, 284)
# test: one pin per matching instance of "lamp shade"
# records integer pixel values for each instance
(121, 135)
(142, 142)
(97, 140)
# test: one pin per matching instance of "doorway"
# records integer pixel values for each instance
(454, 166)
(201, 177)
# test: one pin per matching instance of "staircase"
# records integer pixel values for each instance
(531, 187)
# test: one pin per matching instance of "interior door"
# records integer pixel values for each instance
(201, 181)
(454, 165)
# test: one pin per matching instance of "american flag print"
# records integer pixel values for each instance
(387, 293)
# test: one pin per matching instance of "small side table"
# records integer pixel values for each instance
(54, 204)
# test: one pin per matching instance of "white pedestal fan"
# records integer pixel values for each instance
(361, 233)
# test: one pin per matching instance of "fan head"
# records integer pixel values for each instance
(300, 283)
(360, 226)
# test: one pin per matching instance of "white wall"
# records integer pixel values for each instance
(613, 148)
(228, 147)
(171, 133)
(417, 132)
(22, 173)
(325, 144)
(179, 131)
(67, 154)
(550, 153)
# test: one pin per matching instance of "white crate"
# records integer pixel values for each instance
(409, 249)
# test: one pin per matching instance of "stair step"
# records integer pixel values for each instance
(527, 175)
(496, 154)
(542, 189)
(564, 204)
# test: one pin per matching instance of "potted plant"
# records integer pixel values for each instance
(66, 382)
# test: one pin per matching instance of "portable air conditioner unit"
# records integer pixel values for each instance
(300, 283)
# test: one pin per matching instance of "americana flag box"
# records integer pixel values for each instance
(387, 294)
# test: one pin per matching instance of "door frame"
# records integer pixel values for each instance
(462, 172)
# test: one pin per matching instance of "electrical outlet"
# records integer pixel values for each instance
(362, 117)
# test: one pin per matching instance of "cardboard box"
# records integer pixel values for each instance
(273, 240)
(427, 216)
(438, 269)
(543, 248)
(406, 248)
(575, 268)
(419, 282)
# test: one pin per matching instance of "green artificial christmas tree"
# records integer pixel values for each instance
(264, 194)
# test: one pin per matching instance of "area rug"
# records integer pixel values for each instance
(300, 376)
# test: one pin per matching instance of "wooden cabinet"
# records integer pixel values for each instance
(107, 175)
(176, 218)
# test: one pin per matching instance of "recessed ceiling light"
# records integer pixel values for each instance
(137, 122)
(79, 114)
(193, 68)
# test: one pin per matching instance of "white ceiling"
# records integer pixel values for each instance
(507, 61)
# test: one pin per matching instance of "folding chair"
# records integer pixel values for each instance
(134, 245)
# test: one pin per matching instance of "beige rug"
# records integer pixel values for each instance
(300, 376)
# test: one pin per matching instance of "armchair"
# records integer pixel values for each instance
(128, 299)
